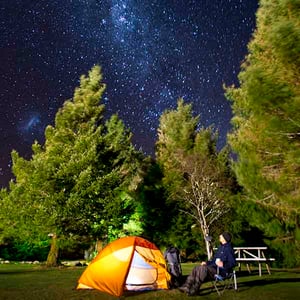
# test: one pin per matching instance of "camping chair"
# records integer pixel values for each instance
(221, 283)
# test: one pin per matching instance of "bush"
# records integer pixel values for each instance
(19, 251)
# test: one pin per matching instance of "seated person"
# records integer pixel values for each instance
(222, 263)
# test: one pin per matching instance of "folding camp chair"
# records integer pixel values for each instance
(221, 283)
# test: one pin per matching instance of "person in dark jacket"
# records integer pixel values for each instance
(222, 263)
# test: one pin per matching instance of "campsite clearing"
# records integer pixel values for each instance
(27, 282)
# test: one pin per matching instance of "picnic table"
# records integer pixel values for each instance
(252, 254)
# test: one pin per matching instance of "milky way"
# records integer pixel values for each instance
(151, 53)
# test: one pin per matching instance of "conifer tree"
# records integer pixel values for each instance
(195, 175)
(78, 183)
(266, 121)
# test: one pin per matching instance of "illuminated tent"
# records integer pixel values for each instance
(127, 264)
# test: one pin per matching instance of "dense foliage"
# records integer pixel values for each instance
(266, 135)
(197, 178)
(77, 185)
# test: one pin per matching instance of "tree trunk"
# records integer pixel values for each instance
(53, 253)
(99, 245)
(208, 248)
(207, 240)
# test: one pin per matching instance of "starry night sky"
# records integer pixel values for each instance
(151, 53)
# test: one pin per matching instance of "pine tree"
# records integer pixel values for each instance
(195, 175)
(78, 183)
(266, 119)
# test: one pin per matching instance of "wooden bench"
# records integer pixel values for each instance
(252, 254)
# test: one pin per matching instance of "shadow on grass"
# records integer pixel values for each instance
(262, 282)
(38, 268)
(246, 281)
(18, 271)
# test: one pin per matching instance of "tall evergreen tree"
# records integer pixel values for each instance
(195, 174)
(266, 118)
(176, 133)
(78, 183)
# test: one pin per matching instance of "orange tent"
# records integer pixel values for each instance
(127, 264)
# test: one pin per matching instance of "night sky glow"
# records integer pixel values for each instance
(151, 53)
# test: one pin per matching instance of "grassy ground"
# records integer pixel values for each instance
(28, 282)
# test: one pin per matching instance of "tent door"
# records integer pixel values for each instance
(141, 275)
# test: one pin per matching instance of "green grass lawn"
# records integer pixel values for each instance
(29, 282)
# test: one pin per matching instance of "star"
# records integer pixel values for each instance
(151, 54)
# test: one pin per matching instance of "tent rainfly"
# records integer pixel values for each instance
(127, 264)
